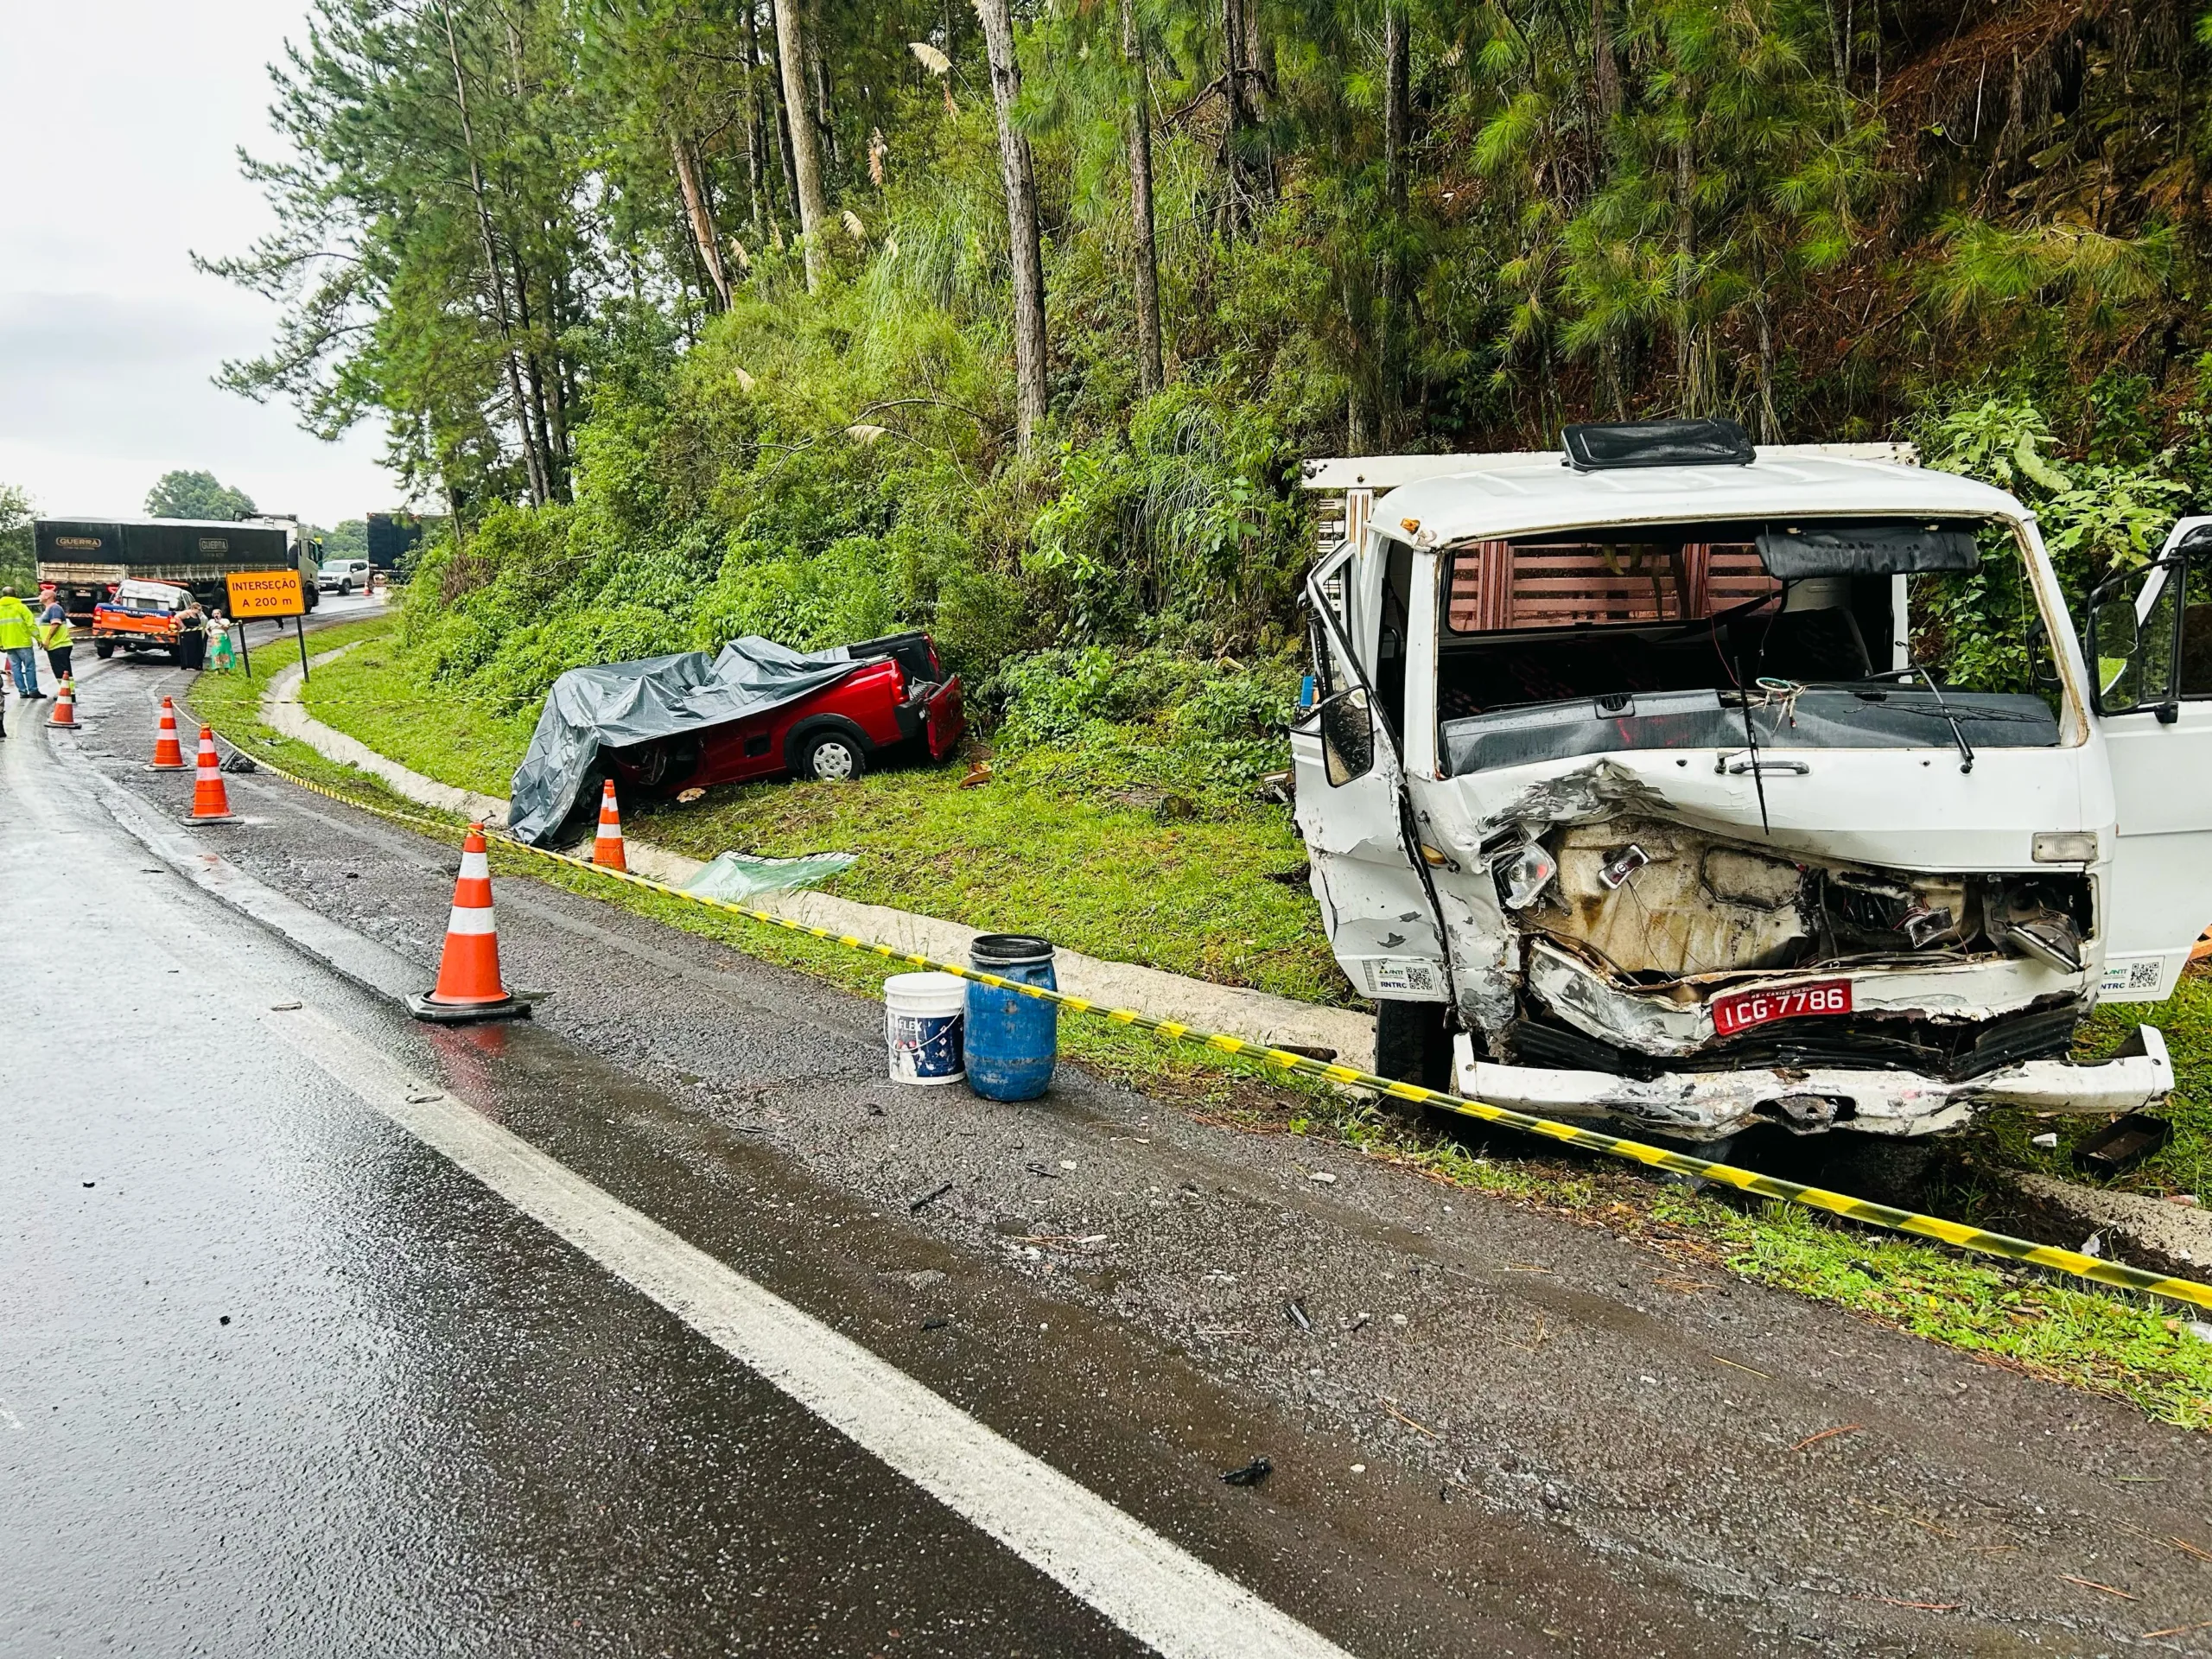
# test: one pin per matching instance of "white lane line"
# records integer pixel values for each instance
(1152, 1588)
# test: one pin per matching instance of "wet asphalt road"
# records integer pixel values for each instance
(279, 1379)
(430, 1425)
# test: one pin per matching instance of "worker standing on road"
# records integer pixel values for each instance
(18, 632)
(192, 635)
(53, 637)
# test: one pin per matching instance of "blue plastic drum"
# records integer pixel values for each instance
(1012, 1040)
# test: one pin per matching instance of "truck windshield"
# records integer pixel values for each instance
(1678, 636)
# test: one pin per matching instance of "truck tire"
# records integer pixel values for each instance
(103, 649)
(1413, 1043)
(830, 754)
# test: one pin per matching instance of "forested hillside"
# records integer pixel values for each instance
(816, 316)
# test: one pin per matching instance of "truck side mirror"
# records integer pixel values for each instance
(1347, 735)
(2114, 640)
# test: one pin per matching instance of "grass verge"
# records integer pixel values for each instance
(1053, 844)
(231, 702)
(2127, 1347)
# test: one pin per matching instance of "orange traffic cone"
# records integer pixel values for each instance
(168, 755)
(65, 704)
(211, 802)
(607, 850)
(469, 985)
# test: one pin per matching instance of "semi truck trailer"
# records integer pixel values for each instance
(88, 560)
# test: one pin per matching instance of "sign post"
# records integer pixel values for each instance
(276, 594)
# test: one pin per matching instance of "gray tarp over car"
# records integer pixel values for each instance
(620, 703)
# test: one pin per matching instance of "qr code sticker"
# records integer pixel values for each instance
(2137, 973)
(1400, 975)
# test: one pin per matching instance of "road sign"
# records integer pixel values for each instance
(266, 592)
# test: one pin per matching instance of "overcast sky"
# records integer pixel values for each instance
(119, 121)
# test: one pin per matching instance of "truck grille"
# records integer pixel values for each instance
(1953, 1053)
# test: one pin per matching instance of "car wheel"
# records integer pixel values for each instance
(1413, 1043)
(346, 588)
(832, 758)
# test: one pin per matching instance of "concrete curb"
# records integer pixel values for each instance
(2181, 1231)
(282, 711)
(1256, 1016)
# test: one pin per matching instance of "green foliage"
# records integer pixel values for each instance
(1205, 733)
(1183, 521)
(1986, 270)
(18, 561)
(196, 495)
(2095, 518)
(348, 539)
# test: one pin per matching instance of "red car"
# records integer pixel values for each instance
(903, 703)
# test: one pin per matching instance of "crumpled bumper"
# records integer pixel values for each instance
(1707, 1105)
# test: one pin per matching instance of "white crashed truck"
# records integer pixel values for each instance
(1625, 799)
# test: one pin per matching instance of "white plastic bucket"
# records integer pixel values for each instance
(924, 1014)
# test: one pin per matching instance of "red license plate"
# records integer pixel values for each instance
(1740, 1010)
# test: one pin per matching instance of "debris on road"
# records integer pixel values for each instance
(915, 1206)
(1250, 1475)
(2091, 1584)
(1829, 1434)
(739, 876)
(2122, 1144)
(1390, 1407)
(1295, 1312)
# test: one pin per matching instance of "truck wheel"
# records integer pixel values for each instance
(103, 649)
(1413, 1043)
(831, 757)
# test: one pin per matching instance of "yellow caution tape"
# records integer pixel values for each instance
(1747, 1180)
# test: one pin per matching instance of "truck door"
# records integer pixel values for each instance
(1352, 813)
(2148, 640)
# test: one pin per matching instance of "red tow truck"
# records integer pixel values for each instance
(902, 700)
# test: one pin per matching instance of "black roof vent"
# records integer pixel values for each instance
(1656, 444)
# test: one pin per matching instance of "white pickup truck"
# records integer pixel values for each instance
(1624, 797)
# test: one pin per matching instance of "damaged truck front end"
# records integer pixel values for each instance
(1626, 799)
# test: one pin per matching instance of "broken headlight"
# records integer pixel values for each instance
(1524, 871)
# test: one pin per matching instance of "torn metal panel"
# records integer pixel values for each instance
(1677, 1020)
(1650, 1022)
(1590, 794)
(1708, 1105)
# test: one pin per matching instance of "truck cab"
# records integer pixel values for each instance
(1626, 799)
